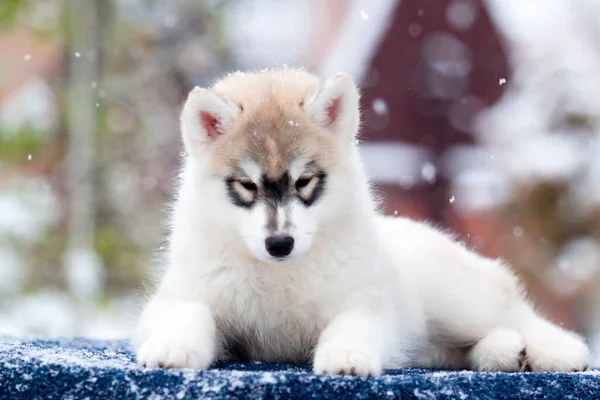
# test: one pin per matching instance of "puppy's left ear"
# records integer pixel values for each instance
(206, 116)
(335, 104)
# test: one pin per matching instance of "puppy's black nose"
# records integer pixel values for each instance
(279, 246)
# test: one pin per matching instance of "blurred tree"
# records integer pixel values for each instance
(83, 268)
(108, 164)
(10, 9)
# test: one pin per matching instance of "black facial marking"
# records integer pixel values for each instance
(276, 193)
(276, 190)
(234, 197)
(317, 191)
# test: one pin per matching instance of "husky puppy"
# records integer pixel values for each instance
(277, 252)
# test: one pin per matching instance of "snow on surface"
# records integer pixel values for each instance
(79, 368)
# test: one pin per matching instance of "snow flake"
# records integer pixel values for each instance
(379, 106)
(428, 172)
(414, 30)
(517, 231)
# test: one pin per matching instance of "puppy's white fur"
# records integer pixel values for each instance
(359, 292)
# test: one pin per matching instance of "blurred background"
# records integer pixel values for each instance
(482, 116)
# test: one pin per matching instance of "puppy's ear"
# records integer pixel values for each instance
(206, 115)
(335, 104)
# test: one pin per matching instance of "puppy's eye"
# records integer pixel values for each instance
(303, 182)
(249, 185)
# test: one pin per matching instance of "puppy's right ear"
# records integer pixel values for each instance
(335, 105)
(205, 116)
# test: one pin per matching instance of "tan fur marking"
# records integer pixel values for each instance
(273, 129)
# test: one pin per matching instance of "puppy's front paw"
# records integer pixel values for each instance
(346, 359)
(163, 351)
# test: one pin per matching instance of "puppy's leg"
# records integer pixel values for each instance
(551, 348)
(487, 310)
(350, 345)
(538, 346)
(475, 302)
(501, 350)
(175, 333)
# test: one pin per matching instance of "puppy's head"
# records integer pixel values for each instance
(276, 149)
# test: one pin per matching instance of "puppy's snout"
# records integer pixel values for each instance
(279, 246)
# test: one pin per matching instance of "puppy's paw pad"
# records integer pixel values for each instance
(335, 359)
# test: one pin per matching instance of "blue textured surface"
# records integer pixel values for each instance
(80, 368)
